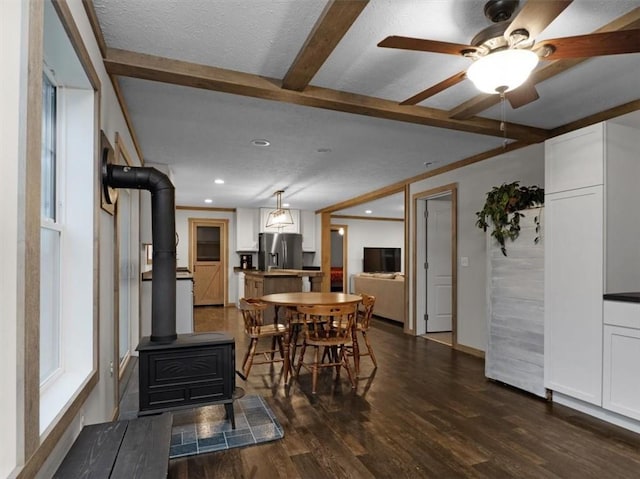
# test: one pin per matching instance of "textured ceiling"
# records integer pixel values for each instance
(202, 135)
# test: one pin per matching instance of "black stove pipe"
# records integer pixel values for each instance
(163, 230)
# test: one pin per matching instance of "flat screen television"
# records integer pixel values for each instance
(381, 260)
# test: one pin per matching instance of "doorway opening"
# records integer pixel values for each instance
(208, 261)
(339, 274)
(435, 267)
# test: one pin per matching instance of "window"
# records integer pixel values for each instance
(50, 232)
(67, 236)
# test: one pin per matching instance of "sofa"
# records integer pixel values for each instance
(388, 288)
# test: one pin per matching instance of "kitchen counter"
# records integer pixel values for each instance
(238, 269)
(631, 297)
(258, 283)
(286, 272)
(184, 302)
(180, 274)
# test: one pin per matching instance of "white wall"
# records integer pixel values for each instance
(361, 233)
(13, 50)
(474, 181)
(622, 216)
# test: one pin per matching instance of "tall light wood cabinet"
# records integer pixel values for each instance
(515, 293)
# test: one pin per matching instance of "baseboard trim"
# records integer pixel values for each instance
(597, 412)
(469, 350)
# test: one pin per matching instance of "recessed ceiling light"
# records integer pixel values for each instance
(219, 181)
(368, 212)
(260, 142)
(208, 200)
(286, 205)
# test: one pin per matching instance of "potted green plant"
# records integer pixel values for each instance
(501, 209)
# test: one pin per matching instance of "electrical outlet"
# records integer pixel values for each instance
(464, 261)
(111, 368)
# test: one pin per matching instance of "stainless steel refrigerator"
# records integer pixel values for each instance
(279, 251)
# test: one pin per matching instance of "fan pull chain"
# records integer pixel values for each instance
(503, 116)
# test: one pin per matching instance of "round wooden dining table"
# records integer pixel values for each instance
(312, 298)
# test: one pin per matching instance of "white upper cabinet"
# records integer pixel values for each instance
(575, 160)
(294, 228)
(247, 229)
(308, 230)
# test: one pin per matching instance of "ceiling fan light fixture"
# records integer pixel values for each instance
(502, 71)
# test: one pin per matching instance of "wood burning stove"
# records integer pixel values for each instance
(175, 371)
(192, 370)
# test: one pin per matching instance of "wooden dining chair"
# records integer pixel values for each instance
(253, 315)
(327, 327)
(363, 321)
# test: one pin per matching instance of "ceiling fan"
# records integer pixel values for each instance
(506, 52)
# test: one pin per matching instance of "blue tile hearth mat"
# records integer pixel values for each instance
(205, 429)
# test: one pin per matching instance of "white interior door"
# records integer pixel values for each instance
(439, 278)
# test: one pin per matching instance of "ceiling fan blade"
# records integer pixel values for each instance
(523, 95)
(422, 45)
(592, 45)
(437, 88)
(536, 15)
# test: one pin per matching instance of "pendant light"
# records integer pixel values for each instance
(280, 216)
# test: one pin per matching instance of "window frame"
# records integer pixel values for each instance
(56, 224)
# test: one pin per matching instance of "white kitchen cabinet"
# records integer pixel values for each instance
(575, 160)
(573, 285)
(308, 230)
(591, 231)
(294, 228)
(240, 288)
(247, 229)
(184, 305)
(621, 383)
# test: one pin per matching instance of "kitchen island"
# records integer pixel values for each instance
(259, 283)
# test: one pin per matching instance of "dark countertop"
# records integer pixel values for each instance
(180, 274)
(284, 272)
(632, 297)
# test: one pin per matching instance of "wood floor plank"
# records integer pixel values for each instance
(427, 411)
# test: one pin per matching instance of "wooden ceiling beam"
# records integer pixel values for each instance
(400, 185)
(483, 101)
(598, 117)
(177, 72)
(334, 22)
(435, 89)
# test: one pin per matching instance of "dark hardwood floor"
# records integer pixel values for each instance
(427, 411)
